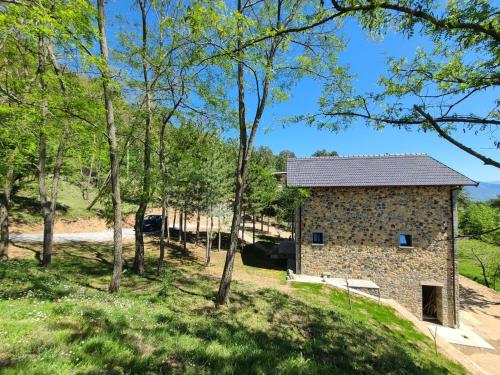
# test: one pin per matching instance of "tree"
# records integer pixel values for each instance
(45, 94)
(5, 200)
(165, 53)
(186, 175)
(215, 181)
(282, 158)
(145, 195)
(481, 221)
(489, 262)
(113, 150)
(289, 200)
(495, 202)
(430, 91)
(271, 65)
(45, 51)
(18, 143)
(261, 189)
(323, 152)
(11, 172)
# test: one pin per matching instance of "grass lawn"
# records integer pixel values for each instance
(70, 203)
(63, 321)
(468, 266)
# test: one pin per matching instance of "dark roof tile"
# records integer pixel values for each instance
(376, 170)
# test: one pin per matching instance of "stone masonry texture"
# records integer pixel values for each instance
(361, 228)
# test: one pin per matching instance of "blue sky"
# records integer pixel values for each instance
(367, 60)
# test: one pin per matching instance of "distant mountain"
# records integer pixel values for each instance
(485, 191)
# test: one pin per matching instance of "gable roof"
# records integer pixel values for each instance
(375, 170)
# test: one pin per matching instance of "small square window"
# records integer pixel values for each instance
(317, 238)
(405, 240)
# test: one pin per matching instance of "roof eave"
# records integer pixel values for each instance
(473, 183)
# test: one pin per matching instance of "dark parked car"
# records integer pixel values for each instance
(152, 223)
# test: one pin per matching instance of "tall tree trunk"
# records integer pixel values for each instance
(211, 227)
(184, 242)
(113, 152)
(207, 252)
(164, 200)
(211, 235)
(218, 234)
(4, 213)
(167, 225)
(181, 218)
(164, 226)
(197, 227)
(88, 182)
(175, 217)
(42, 150)
(268, 223)
(244, 155)
(262, 223)
(146, 184)
(48, 206)
(243, 230)
(253, 228)
(4, 228)
(222, 297)
(127, 162)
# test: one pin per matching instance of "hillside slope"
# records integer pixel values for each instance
(63, 321)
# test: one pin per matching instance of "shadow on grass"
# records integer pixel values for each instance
(290, 337)
(282, 335)
(107, 341)
(31, 206)
(191, 238)
(169, 325)
(38, 253)
(85, 264)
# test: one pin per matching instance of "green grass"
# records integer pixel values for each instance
(70, 203)
(468, 266)
(63, 321)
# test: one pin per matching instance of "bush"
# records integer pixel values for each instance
(478, 218)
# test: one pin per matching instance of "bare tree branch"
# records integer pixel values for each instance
(445, 135)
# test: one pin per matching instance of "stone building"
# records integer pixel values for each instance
(389, 219)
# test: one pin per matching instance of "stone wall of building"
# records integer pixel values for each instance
(361, 228)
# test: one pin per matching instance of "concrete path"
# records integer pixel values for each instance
(461, 336)
(104, 236)
(340, 283)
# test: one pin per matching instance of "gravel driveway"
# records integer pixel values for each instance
(104, 236)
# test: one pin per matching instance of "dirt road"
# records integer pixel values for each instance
(102, 236)
(480, 309)
(95, 230)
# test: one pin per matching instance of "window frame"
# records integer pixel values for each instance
(322, 233)
(411, 245)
